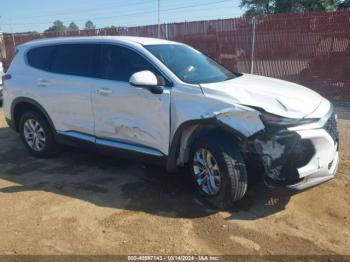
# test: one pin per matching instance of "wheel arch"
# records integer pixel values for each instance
(189, 131)
(20, 104)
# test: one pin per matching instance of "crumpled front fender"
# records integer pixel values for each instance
(246, 122)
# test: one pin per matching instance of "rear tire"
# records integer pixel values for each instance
(37, 135)
(228, 182)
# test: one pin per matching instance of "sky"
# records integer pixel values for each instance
(38, 15)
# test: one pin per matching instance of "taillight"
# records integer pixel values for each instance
(5, 77)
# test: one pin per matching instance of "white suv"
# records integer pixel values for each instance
(170, 103)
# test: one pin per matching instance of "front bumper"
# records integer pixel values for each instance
(323, 165)
(299, 157)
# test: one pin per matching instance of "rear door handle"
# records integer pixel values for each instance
(104, 91)
(42, 82)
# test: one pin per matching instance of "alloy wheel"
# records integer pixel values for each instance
(34, 135)
(206, 171)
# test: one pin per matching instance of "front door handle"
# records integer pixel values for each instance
(42, 82)
(104, 91)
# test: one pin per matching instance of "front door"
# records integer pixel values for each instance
(127, 116)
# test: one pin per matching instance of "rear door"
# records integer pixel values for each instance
(64, 88)
(128, 116)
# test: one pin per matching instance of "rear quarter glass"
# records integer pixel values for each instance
(39, 57)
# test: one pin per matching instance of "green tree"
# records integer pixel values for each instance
(110, 27)
(257, 7)
(89, 25)
(319, 5)
(344, 5)
(73, 27)
(57, 26)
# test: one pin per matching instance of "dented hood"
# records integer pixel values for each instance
(274, 96)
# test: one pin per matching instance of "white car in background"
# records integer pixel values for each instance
(165, 101)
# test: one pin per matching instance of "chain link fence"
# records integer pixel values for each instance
(312, 49)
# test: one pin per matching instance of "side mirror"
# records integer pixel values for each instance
(146, 79)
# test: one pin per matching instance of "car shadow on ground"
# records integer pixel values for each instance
(108, 181)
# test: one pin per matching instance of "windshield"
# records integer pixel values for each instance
(190, 65)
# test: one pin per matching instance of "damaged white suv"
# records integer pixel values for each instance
(170, 103)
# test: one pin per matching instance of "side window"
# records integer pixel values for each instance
(74, 59)
(40, 57)
(119, 63)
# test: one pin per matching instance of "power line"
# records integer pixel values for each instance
(192, 19)
(129, 14)
(110, 9)
(107, 8)
(195, 18)
(185, 19)
(141, 10)
(81, 12)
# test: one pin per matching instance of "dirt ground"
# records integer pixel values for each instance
(86, 203)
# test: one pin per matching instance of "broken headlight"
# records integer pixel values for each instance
(275, 120)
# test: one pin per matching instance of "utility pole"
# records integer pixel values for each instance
(158, 18)
(13, 35)
(253, 46)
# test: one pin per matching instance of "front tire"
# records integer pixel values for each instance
(218, 171)
(37, 135)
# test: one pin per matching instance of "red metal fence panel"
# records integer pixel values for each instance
(312, 49)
